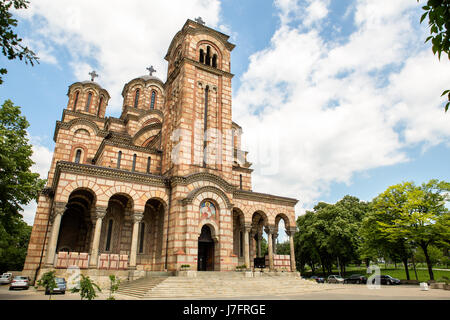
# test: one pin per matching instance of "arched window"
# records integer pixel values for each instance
(152, 101)
(136, 98)
(141, 238)
(109, 235)
(76, 100)
(99, 106)
(208, 56)
(202, 56)
(133, 168)
(214, 61)
(119, 157)
(205, 125)
(78, 156)
(149, 161)
(240, 181)
(88, 103)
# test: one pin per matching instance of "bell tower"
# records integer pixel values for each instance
(197, 113)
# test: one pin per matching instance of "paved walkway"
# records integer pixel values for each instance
(323, 292)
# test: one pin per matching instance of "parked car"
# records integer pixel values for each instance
(335, 279)
(20, 282)
(5, 278)
(318, 279)
(60, 286)
(386, 279)
(355, 278)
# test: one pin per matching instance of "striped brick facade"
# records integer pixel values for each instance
(127, 192)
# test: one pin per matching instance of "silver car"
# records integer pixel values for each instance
(20, 282)
(335, 279)
(5, 278)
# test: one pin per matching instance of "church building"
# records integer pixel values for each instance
(165, 185)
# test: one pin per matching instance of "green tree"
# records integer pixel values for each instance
(421, 218)
(283, 248)
(438, 13)
(14, 238)
(87, 288)
(376, 244)
(114, 283)
(330, 234)
(48, 282)
(435, 254)
(9, 40)
(18, 185)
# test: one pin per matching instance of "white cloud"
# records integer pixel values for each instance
(117, 38)
(42, 158)
(339, 109)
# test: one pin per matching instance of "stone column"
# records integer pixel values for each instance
(246, 229)
(274, 242)
(137, 218)
(259, 244)
(58, 211)
(270, 231)
(290, 232)
(100, 213)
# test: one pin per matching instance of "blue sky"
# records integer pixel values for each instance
(334, 97)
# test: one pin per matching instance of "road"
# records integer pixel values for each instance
(354, 292)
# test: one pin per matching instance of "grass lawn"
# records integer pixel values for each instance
(398, 273)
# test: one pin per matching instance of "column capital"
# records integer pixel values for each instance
(137, 216)
(246, 227)
(291, 231)
(100, 212)
(270, 229)
(58, 209)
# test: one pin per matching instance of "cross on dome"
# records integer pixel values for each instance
(151, 70)
(199, 20)
(93, 75)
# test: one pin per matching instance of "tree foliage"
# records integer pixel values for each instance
(329, 234)
(114, 284)
(87, 288)
(438, 13)
(48, 282)
(416, 215)
(9, 41)
(18, 186)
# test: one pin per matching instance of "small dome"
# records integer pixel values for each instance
(147, 78)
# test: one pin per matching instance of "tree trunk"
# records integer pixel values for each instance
(427, 259)
(414, 265)
(312, 268)
(367, 262)
(395, 264)
(405, 263)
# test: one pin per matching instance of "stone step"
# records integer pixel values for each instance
(140, 287)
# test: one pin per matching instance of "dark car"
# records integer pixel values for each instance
(356, 278)
(318, 279)
(386, 279)
(60, 286)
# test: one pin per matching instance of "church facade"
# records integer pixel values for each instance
(163, 186)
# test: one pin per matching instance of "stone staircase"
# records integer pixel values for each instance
(218, 285)
(138, 289)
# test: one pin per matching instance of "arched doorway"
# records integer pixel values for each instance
(76, 226)
(205, 261)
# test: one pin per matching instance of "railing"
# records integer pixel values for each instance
(65, 260)
(113, 261)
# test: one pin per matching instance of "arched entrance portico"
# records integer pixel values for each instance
(205, 261)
